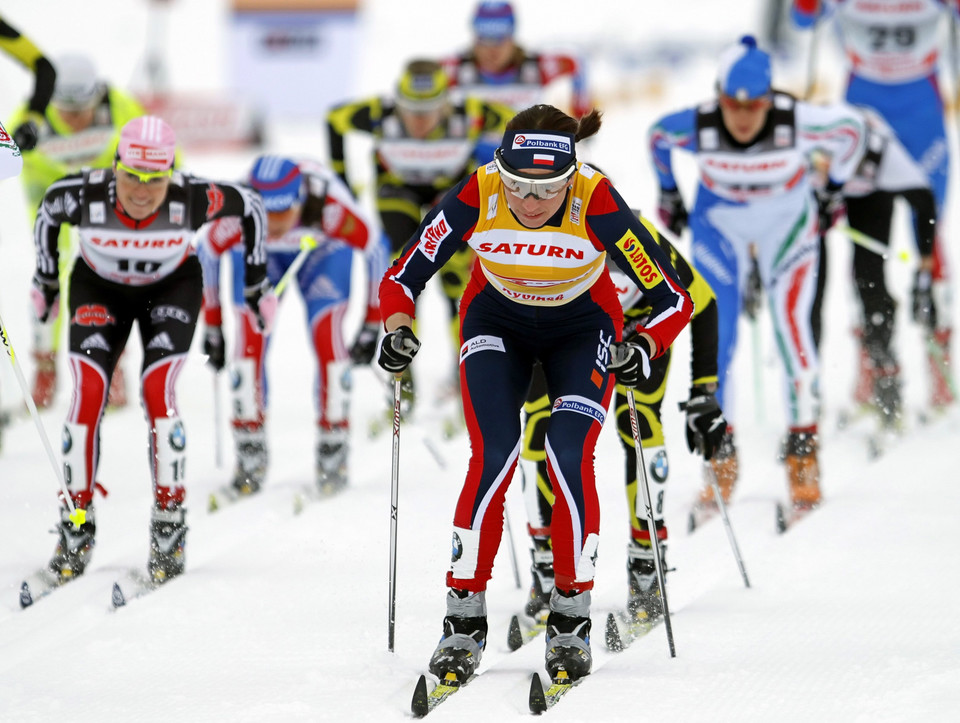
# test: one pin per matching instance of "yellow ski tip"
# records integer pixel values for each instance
(308, 242)
(78, 517)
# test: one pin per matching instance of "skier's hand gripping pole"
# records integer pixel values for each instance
(77, 516)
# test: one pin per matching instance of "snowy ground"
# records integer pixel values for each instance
(852, 614)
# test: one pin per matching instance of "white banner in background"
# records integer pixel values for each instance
(296, 63)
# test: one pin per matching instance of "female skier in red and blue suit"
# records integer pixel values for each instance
(542, 225)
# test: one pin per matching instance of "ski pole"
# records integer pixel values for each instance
(648, 512)
(77, 516)
(513, 550)
(394, 493)
(307, 244)
(869, 243)
(722, 506)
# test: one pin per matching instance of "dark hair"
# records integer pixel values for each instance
(547, 118)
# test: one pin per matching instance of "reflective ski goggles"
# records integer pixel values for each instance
(541, 188)
(751, 104)
(144, 176)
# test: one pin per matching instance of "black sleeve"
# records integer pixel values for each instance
(342, 119)
(61, 204)
(46, 77)
(210, 200)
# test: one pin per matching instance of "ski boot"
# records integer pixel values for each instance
(725, 467)
(803, 470)
(45, 378)
(938, 359)
(887, 398)
(568, 635)
(252, 457)
(464, 635)
(168, 533)
(74, 547)
(644, 601)
(333, 447)
(542, 569)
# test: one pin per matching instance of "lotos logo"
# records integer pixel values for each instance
(642, 265)
(93, 315)
(432, 236)
(214, 200)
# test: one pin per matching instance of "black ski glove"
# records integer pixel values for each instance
(45, 296)
(214, 347)
(830, 205)
(673, 214)
(924, 308)
(705, 423)
(26, 135)
(365, 345)
(629, 363)
(397, 349)
(263, 303)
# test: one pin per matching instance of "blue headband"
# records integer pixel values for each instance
(553, 151)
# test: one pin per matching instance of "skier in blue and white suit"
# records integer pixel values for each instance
(893, 49)
(752, 146)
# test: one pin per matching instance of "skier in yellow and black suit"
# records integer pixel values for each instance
(424, 145)
(17, 46)
(705, 429)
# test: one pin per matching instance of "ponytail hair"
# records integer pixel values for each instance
(547, 118)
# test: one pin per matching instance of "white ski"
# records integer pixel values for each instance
(37, 586)
(133, 584)
(315, 493)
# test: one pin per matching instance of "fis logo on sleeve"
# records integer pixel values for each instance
(642, 264)
(432, 236)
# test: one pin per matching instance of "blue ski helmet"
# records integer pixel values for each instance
(744, 71)
(278, 181)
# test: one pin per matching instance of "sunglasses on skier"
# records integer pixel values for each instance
(541, 188)
(144, 176)
(752, 105)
